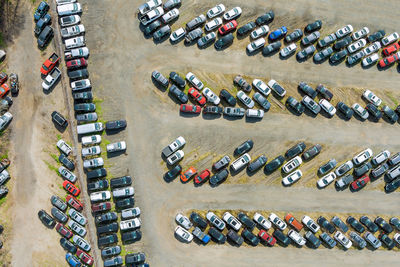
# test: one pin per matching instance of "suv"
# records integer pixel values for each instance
(328, 240)
(59, 119)
(240, 162)
(315, 242)
(198, 220)
(295, 105)
(231, 221)
(372, 240)
(237, 239)
(281, 237)
(295, 150)
(310, 224)
(274, 164)
(344, 181)
(247, 222)
(242, 83)
(307, 90)
(121, 181)
(326, 224)
(215, 220)
(45, 36)
(369, 224)
(346, 110)
(244, 147)
(345, 167)
(355, 224)
(311, 104)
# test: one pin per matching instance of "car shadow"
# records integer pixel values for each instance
(116, 154)
(337, 62)
(251, 54)
(188, 44)
(242, 36)
(160, 41)
(174, 99)
(321, 61)
(252, 120)
(205, 46)
(58, 127)
(287, 57)
(369, 66)
(158, 86)
(113, 132)
(292, 111)
(383, 68)
(47, 92)
(270, 54)
(310, 113)
(210, 116)
(188, 115)
(341, 115)
(232, 118)
(386, 119)
(357, 117)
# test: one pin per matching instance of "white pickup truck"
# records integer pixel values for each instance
(174, 146)
(51, 79)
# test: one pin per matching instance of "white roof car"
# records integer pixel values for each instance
(183, 234)
(77, 216)
(296, 237)
(232, 221)
(129, 213)
(178, 34)
(233, 13)
(255, 113)
(123, 192)
(100, 196)
(91, 140)
(381, 157)
(288, 50)
(77, 228)
(64, 147)
(310, 223)
(215, 220)
(80, 242)
(363, 156)
(245, 99)
(362, 112)
(391, 38)
(343, 240)
(292, 178)
(183, 221)
(152, 16)
(5, 119)
(4, 176)
(344, 31)
(370, 60)
(80, 85)
(372, 48)
(72, 31)
(360, 33)
(257, 44)
(261, 86)
(174, 158)
(77, 52)
(277, 88)
(353, 47)
(93, 163)
(213, 24)
(277, 221)
(174, 146)
(74, 42)
(372, 98)
(118, 146)
(69, 9)
(260, 32)
(215, 11)
(327, 106)
(69, 20)
(241, 162)
(194, 81)
(129, 224)
(292, 164)
(262, 221)
(51, 78)
(345, 167)
(63, 2)
(211, 96)
(326, 180)
(148, 6)
(67, 174)
(91, 151)
(170, 15)
(89, 128)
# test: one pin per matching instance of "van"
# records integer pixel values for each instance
(89, 128)
(394, 159)
(75, 42)
(241, 162)
(393, 173)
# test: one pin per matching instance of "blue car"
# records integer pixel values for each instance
(282, 31)
(41, 10)
(72, 260)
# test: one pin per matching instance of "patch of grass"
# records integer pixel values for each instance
(2, 41)
(103, 144)
(51, 167)
(59, 137)
(55, 157)
(99, 110)
(4, 155)
(392, 98)
(3, 200)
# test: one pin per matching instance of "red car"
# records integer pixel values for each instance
(290, 219)
(388, 60)
(190, 108)
(360, 182)
(3, 77)
(203, 176)
(72, 189)
(4, 88)
(76, 63)
(227, 28)
(270, 240)
(86, 258)
(196, 95)
(49, 64)
(63, 231)
(101, 207)
(73, 202)
(391, 49)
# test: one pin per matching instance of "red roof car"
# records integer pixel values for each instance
(73, 202)
(270, 240)
(63, 231)
(227, 28)
(203, 176)
(4, 88)
(360, 182)
(3, 77)
(388, 60)
(101, 207)
(72, 189)
(391, 49)
(86, 258)
(76, 63)
(190, 108)
(188, 174)
(49, 64)
(290, 219)
(196, 95)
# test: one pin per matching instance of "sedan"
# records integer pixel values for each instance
(244, 147)
(307, 221)
(360, 111)
(60, 228)
(260, 32)
(288, 50)
(72, 189)
(322, 55)
(383, 225)
(345, 167)
(312, 152)
(372, 227)
(370, 60)
(271, 48)
(390, 114)
(358, 240)
(234, 112)
(261, 86)
(177, 34)
(59, 215)
(343, 240)
(212, 110)
(213, 24)
(377, 36)
(356, 46)
(323, 222)
(207, 39)
(266, 18)
(327, 167)
(216, 11)
(274, 164)
(76, 63)
(183, 234)
(230, 99)
(372, 240)
(262, 101)
(211, 96)
(194, 81)
(215, 220)
(306, 52)
(391, 38)
(82, 243)
(295, 105)
(344, 31)
(346, 110)
(294, 36)
(278, 33)
(277, 221)
(292, 164)
(232, 221)
(262, 221)
(66, 162)
(337, 57)
(311, 38)
(387, 61)
(257, 164)
(170, 16)
(228, 27)
(355, 224)
(292, 178)
(197, 96)
(327, 107)
(254, 46)
(360, 33)
(115, 125)
(326, 180)
(360, 183)
(222, 163)
(246, 28)
(311, 104)
(245, 99)
(327, 40)
(391, 49)
(277, 88)
(372, 48)
(180, 95)
(93, 163)
(188, 174)
(183, 221)
(203, 176)
(233, 13)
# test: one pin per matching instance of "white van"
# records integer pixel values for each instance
(393, 172)
(241, 162)
(130, 224)
(74, 42)
(89, 128)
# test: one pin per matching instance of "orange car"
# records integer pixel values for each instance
(72, 189)
(290, 219)
(4, 88)
(188, 174)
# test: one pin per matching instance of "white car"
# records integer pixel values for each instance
(261, 86)
(5, 119)
(77, 216)
(360, 34)
(296, 237)
(245, 99)
(80, 242)
(148, 6)
(69, 9)
(372, 48)
(76, 228)
(396, 238)
(363, 156)
(232, 221)
(69, 20)
(100, 196)
(174, 146)
(262, 221)
(277, 221)
(288, 50)
(72, 31)
(211, 96)
(91, 140)
(372, 98)
(129, 213)
(257, 44)
(310, 224)
(215, 220)
(74, 42)
(118, 146)
(381, 157)
(63, 2)
(67, 174)
(152, 15)
(183, 221)
(123, 192)
(260, 32)
(343, 240)
(370, 60)
(292, 178)
(391, 38)
(81, 85)
(213, 24)
(255, 113)
(194, 81)
(356, 46)
(277, 88)
(344, 31)
(90, 128)
(4, 176)
(215, 11)
(178, 34)
(233, 13)
(327, 106)
(174, 158)
(93, 163)
(292, 164)
(326, 180)
(360, 111)
(240, 162)
(170, 16)
(91, 151)
(130, 224)
(64, 147)
(183, 234)
(77, 52)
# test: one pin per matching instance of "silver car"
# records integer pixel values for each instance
(327, 40)
(193, 35)
(123, 192)
(306, 52)
(234, 112)
(196, 22)
(324, 54)
(372, 240)
(311, 38)
(207, 39)
(245, 99)
(311, 104)
(355, 57)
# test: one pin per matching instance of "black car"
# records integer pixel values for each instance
(389, 243)
(294, 36)
(172, 173)
(85, 107)
(198, 220)
(162, 33)
(295, 105)
(326, 224)
(107, 229)
(237, 239)
(41, 10)
(105, 218)
(224, 94)
(359, 171)
(327, 167)
(247, 222)
(328, 240)
(274, 164)
(337, 57)
(355, 224)
(212, 110)
(250, 237)
(314, 241)
(346, 110)
(69, 164)
(59, 215)
(152, 27)
(134, 258)
(307, 90)
(395, 222)
(115, 125)
(257, 164)
(216, 235)
(374, 111)
(266, 18)
(180, 95)
(45, 36)
(178, 80)
(394, 160)
(98, 185)
(383, 225)
(246, 28)
(243, 148)
(98, 173)
(107, 240)
(325, 93)
(78, 74)
(281, 237)
(339, 224)
(132, 236)
(342, 43)
(275, 46)
(125, 203)
(392, 186)
(295, 150)
(224, 41)
(67, 245)
(312, 152)
(371, 226)
(316, 25)
(46, 219)
(59, 119)
(42, 23)
(219, 177)
(121, 181)
(83, 96)
(390, 114)
(376, 36)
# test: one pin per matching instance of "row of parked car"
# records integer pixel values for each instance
(315, 232)
(5, 98)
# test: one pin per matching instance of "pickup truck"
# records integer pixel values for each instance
(174, 146)
(201, 235)
(49, 64)
(51, 79)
